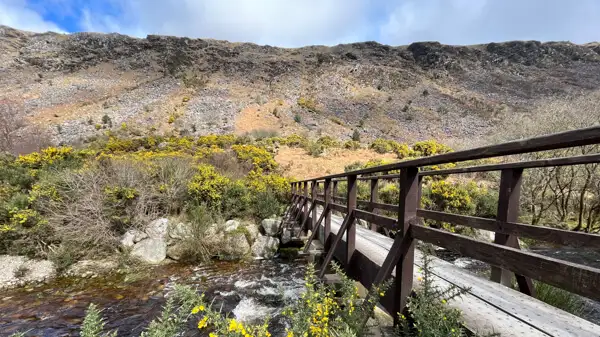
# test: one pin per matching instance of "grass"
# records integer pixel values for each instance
(559, 298)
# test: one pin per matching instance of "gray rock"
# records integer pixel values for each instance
(158, 228)
(253, 231)
(265, 247)
(180, 231)
(234, 246)
(286, 236)
(175, 252)
(127, 239)
(91, 268)
(213, 230)
(363, 223)
(151, 250)
(270, 226)
(231, 225)
(139, 236)
(163, 145)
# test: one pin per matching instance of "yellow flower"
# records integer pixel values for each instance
(203, 323)
(419, 279)
(444, 301)
(381, 293)
(197, 309)
(233, 325)
(212, 334)
(267, 334)
(290, 334)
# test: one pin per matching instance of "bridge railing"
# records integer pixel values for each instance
(504, 254)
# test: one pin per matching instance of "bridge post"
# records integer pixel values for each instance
(335, 191)
(409, 193)
(327, 225)
(351, 231)
(508, 211)
(305, 211)
(374, 198)
(313, 220)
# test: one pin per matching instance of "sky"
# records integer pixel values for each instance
(295, 23)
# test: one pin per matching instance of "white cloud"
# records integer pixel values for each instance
(16, 14)
(471, 22)
(284, 23)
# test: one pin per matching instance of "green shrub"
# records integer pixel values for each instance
(559, 298)
(207, 185)
(93, 323)
(261, 134)
(297, 118)
(352, 145)
(381, 145)
(260, 157)
(315, 149)
(307, 103)
(236, 200)
(328, 142)
(430, 148)
(353, 167)
(195, 247)
(265, 205)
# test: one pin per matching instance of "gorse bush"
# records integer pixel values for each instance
(116, 184)
(430, 148)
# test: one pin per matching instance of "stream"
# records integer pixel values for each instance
(250, 291)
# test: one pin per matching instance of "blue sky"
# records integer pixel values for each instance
(293, 23)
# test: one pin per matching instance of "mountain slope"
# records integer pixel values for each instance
(68, 83)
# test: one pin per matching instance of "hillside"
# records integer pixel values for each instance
(68, 83)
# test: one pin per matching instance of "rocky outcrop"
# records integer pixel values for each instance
(270, 226)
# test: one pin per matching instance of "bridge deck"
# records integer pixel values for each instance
(488, 306)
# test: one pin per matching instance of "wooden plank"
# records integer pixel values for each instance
(327, 226)
(579, 279)
(374, 197)
(314, 210)
(316, 228)
(554, 162)
(305, 191)
(554, 235)
(351, 206)
(338, 238)
(377, 219)
(487, 306)
(550, 142)
(409, 189)
(338, 208)
(508, 210)
(382, 177)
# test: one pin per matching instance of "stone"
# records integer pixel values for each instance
(175, 252)
(127, 239)
(234, 246)
(91, 268)
(363, 223)
(151, 250)
(265, 247)
(139, 236)
(286, 236)
(270, 226)
(253, 231)
(212, 230)
(180, 231)
(231, 225)
(158, 228)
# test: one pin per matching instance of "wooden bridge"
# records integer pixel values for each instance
(386, 247)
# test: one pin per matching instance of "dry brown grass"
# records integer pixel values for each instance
(298, 164)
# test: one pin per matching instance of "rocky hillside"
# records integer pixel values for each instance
(81, 84)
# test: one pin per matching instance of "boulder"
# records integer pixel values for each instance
(253, 231)
(158, 228)
(231, 225)
(132, 237)
(18, 270)
(91, 268)
(270, 226)
(286, 236)
(150, 250)
(265, 247)
(234, 246)
(175, 252)
(213, 230)
(180, 231)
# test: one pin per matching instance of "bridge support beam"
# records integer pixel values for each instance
(327, 225)
(373, 199)
(508, 211)
(351, 232)
(313, 195)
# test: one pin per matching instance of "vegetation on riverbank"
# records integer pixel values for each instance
(117, 183)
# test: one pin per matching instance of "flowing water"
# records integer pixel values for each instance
(249, 291)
